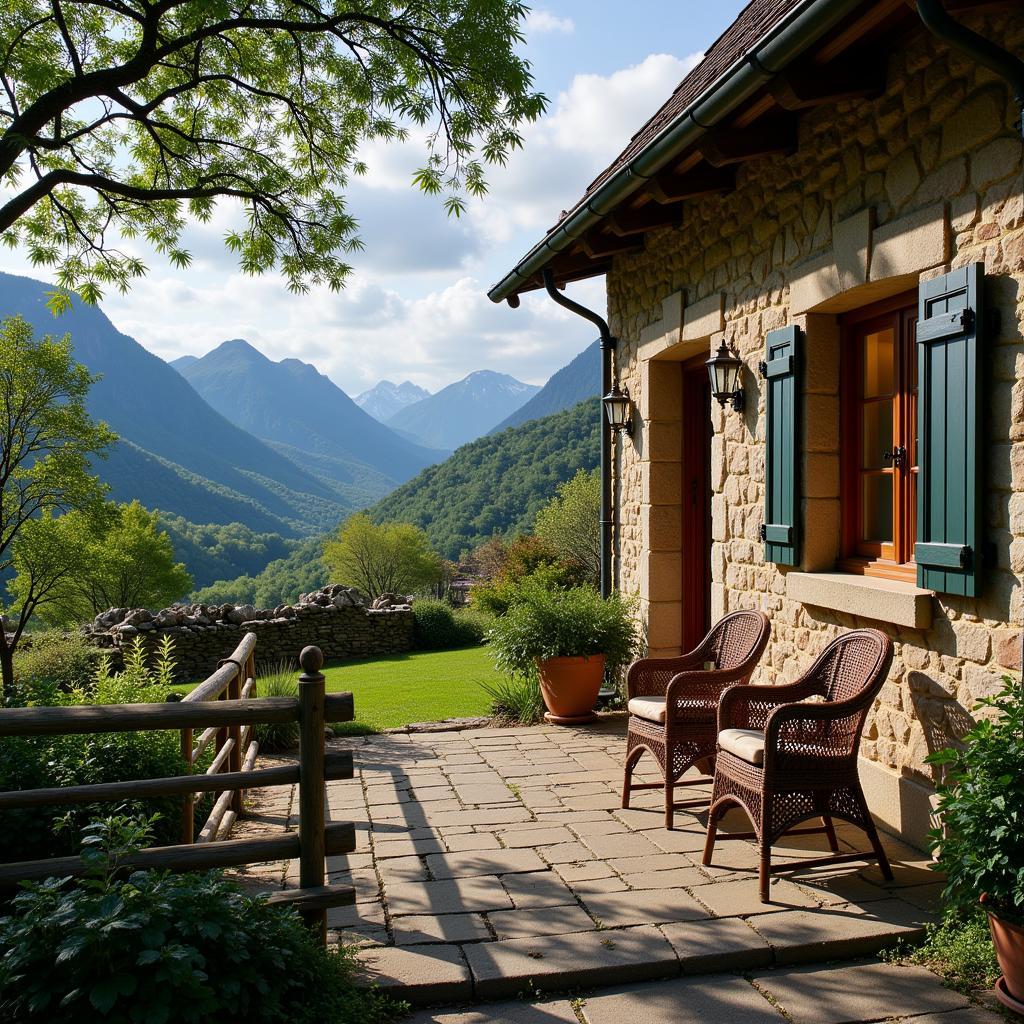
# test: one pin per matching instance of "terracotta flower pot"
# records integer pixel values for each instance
(570, 687)
(1009, 942)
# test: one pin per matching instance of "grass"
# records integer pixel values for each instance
(421, 686)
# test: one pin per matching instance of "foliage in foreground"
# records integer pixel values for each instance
(439, 627)
(980, 844)
(548, 623)
(136, 117)
(156, 948)
(959, 948)
(28, 762)
(516, 700)
(571, 524)
(47, 438)
(389, 558)
(127, 564)
(278, 679)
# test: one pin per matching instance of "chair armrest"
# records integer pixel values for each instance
(807, 724)
(748, 707)
(649, 677)
(708, 684)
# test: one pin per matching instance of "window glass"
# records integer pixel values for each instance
(879, 364)
(877, 514)
(877, 434)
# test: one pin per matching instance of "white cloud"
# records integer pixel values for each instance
(541, 21)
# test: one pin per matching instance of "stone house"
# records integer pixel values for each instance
(836, 195)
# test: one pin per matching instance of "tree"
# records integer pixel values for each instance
(393, 558)
(128, 116)
(46, 441)
(570, 523)
(129, 564)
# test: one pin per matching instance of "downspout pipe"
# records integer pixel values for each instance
(941, 23)
(607, 348)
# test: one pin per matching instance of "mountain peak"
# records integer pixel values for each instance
(464, 410)
(386, 398)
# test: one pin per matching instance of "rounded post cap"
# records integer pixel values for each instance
(311, 659)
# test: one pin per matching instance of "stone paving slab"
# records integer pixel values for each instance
(506, 855)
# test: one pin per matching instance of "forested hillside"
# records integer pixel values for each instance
(280, 582)
(497, 483)
(214, 552)
(573, 383)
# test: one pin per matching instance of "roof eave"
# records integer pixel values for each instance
(805, 24)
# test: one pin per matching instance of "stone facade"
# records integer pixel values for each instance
(335, 619)
(879, 195)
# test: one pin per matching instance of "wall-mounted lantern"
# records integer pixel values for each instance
(619, 409)
(725, 370)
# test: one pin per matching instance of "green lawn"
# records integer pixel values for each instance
(422, 686)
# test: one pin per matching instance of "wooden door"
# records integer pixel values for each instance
(696, 503)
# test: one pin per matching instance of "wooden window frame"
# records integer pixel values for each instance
(893, 561)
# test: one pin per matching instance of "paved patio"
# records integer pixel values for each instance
(494, 862)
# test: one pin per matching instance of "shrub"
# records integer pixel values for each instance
(495, 599)
(167, 949)
(980, 844)
(563, 623)
(516, 700)
(277, 680)
(439, 628)
(40, 761)
(960, 949)
(54, 662)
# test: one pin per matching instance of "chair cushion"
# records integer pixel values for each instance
(746, 744)
(650, 708)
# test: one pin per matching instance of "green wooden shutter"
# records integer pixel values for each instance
(781, 369)
(949, 508)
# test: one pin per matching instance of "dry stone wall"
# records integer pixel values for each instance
(336, 619)
(880, 194)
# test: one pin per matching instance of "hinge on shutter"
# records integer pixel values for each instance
(967, 320)
(762, 368)
(764, 529)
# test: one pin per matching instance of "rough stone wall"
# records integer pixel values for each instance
(335, 619)
(880, 194)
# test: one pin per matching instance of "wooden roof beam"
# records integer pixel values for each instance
(703, 180)
(813, 86)
(647, 218)
(726, 146)
(598, 245)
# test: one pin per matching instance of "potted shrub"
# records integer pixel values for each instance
(568, 638)
(980, 841)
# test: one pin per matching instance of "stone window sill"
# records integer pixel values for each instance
(868, 597)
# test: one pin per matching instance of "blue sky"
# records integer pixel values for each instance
(416, 306)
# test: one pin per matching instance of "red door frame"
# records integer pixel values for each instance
(696, 503)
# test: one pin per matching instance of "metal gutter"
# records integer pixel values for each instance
(608, 344)
(780, 45)
(941, 23)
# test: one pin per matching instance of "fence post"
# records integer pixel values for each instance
(311, 782)
(188, 818)
(234, 762)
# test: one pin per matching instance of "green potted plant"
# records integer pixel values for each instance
(568, 638)
(980, 839)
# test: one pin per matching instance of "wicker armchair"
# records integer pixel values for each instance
(673, 703)
(786, 759)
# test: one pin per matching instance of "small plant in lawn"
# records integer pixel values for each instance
(166, 949)
(516, 700)
(277, 680)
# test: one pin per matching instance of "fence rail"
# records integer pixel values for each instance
(226, 709)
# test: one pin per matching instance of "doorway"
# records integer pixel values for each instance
(696, 502)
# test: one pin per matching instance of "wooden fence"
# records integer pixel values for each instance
(225, 710)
